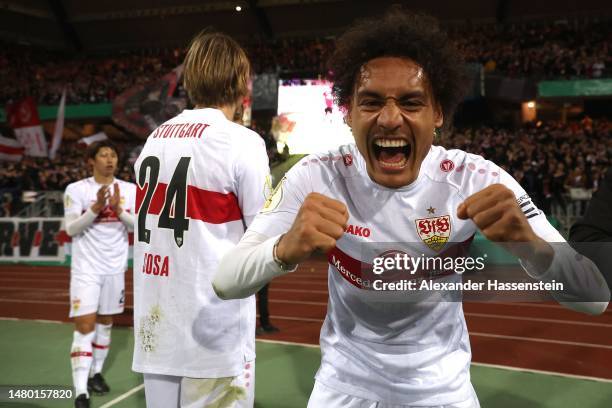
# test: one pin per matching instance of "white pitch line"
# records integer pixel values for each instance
(45, 302)
(544, 372)
(35, 289)
(288, 343)
(34, 302)
(300, 282)
(298, 302)
(272, 289)
(540, 340)
(484, 315)
(299, 319)
(123, 396)
(478, 334)
(537, 319)
(3, 279)
(525, 304)
(497, 366)
(15, 319)
(47, 321)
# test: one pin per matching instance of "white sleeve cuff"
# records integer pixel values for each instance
(584, 288)
(127, 219)
(247, 267)
(77, 224)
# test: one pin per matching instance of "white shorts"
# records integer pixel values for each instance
(168, 391)
(101, 294)
(325, 397)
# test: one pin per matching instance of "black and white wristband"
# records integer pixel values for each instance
(284, 267)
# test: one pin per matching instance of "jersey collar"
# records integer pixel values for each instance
(209, 113)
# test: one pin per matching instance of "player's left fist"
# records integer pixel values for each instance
(497, 215)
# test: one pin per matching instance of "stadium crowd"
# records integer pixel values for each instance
(88, 79)
(556, 50)
(547, 159)
(43, 174)
(541, 50)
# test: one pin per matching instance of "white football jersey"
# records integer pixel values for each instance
(201, 180)
(101, 249)
(375, 345)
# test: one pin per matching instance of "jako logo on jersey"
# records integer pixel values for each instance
(434, 231)
(447, 165)
(357, 230)
(348, 159)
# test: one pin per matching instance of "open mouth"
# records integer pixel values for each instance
(392, 153)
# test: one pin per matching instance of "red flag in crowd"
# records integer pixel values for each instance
(144, 107)
(23, 118)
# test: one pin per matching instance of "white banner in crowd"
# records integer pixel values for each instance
(58, 132)
(32, 239)
(36, 239)
(10, 149)
(33, 139)
(93, 138)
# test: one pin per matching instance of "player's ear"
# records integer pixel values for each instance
(347, 114)
(438, 116)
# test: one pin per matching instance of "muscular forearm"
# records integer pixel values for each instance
(247, 267)
(584, 288)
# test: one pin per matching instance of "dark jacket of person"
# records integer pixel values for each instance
(596, 227)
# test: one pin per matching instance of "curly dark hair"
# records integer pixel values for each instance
(400, 33)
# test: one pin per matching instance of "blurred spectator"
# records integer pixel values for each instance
(557, 49)
(547, 160)
(42, 174)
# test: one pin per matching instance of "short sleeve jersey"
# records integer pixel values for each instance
(201, 180)
(102, 249)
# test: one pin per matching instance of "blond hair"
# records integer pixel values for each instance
(216, 70)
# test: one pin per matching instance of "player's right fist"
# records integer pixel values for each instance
(320, 222)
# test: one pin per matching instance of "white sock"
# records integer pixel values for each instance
(81, 359)
(100, 345)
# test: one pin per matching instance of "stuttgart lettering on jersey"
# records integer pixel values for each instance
(180, 130)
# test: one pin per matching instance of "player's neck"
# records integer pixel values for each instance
(101, 179)
(229, 111)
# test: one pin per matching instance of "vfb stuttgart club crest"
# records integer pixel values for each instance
(434, 231)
